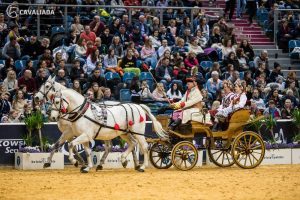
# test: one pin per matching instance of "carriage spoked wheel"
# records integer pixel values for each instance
(221, 154)
(184, 155)
(248, 150)
(160, 155)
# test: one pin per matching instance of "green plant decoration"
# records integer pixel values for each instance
(39, 122)
(270, 122)
(30, 125)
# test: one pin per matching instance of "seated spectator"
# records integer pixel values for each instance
(227, 48)
(231, 59)
(10, 83)
(106, 37)
(222, 25)
(96, 26)
(88, 35)
(148, 54)
(29, 66)
(41, 77)
(123, 35)
(230, 34)
(215, 40)
(207, 99)
(248, 78)
(228, 73)
(262, 69)
(107, 95)
(292, 86)
(129, 62)
(164, 46)
(235, 76)
(47, 57)
(90, 95)
(96, 77)
(248, 49)
(292, 78)
(144, 30)
(14, 33)
(180, 72)
(77, 26)
(155, 39)
(43, 65)
(5, 105)
(62, 66)
(101, 47)
(110, 62)
(11, 49)
(285, 35)
(215, 67)
(3, 29)
(214, 84)
(180, 48)
(202, 41)
(243, 59)
(137, 37)
(30, 49)
(287, 110)
(14, 117)
(117, 11)
(159, 93)
(57, 58)
(254, 110)
(154, 26)
(204, 28)
(76, 86)
(275, 97)
(272, 110)
(174, 93)
(263, 57)
(166, 35)
(44, 45)
(19, 101)
(62, 78)
(187, 35)
(28, 81)
(191, 61)
(9, 65)
(193, 46)
(145, 93)
(80, 51)
(131, 46)
(276, 72)
(290, 95)
(92, 61)
(98, 94)
(259, 102)
(117, 46)
(164, 73)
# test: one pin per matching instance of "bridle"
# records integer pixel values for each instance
(72, 115)
(45, 93)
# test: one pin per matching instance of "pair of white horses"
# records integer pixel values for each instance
(68, 104)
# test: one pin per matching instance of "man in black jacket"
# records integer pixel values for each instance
(31, 48)
(96, 77)
(164, 73)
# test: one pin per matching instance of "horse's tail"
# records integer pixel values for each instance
(156, 124)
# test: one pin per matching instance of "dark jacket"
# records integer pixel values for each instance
(160, 72)
(30, 84)
(100, 80)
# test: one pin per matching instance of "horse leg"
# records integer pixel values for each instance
(88, 153)
(83, 138)
(65, 136)
(107, 147)
(144, 148)
(131, 145)
(78, 158)
(134, 156)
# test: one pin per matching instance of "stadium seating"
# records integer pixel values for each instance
(20, 65)
(125, 95)
(128, 76)
(206, 64)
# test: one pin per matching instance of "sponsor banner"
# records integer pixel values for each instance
(277, 156)
(34, 161)
(113, 160)
(295, 156)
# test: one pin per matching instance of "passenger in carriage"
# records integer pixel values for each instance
(188, 108)
(238, 101)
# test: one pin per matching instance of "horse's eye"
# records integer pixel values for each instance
(47, 86)
(57, 102)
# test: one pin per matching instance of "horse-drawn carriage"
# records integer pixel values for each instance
(225, 148)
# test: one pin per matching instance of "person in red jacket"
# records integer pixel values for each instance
(88, 35)
(191, 61)
(97, 26)
(28, 81)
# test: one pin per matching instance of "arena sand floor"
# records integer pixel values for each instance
(264, 182)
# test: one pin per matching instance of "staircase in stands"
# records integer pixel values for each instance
(257, 38)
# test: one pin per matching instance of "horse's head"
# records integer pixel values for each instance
(59, 106)
(46, 90)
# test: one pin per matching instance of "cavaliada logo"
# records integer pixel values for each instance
(14, 11)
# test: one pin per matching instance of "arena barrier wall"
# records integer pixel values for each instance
(11, 137)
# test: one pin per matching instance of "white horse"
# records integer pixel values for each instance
(48, 90)
(117, 124)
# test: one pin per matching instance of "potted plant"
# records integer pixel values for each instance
(30, 125)
(270, 123)
(296, 121)
(38, 116)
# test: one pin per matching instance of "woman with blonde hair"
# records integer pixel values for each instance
(148, 54)
(19, 102)
(159, 93)
(10, 83)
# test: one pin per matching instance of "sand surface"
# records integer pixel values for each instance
(264, 182)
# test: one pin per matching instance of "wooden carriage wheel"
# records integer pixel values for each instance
(220, 155)
(160, 155)
(248, 150)
(184, 155)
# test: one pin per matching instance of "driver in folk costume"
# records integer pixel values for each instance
(189, 107)
(238, 101)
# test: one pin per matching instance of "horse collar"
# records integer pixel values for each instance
(83, 108)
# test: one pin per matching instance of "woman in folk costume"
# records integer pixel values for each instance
(189, 107)
(238, 101)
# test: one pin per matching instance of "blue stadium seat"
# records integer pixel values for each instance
(20, 65)
(56, 30)
(109, 76)
(292, 45)
(206, 64)
(128, 76)
(146, 76)
(35, 64)
(2, 62)
(207, 76)
(125, 95)
(242, 75)
(297, 43)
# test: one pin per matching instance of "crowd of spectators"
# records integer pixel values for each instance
(171, 50)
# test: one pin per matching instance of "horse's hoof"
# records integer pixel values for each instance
(46, 165)
(76, 164)
(124, 164)
(99, 167)
(140, 170)
(137, 167)
(84, 170)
